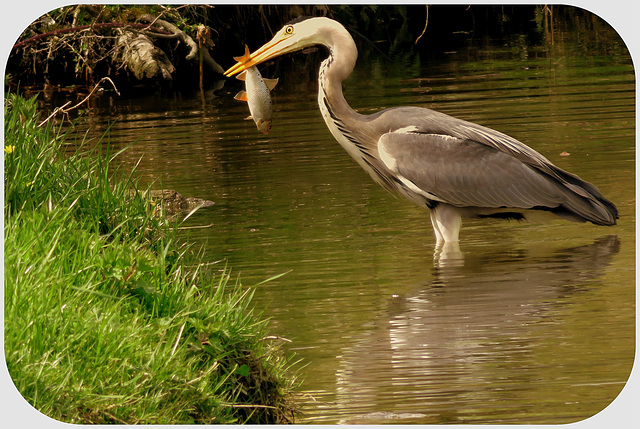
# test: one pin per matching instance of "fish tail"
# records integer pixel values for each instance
(244, 58)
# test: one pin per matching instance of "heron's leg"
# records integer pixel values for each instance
(446, 223)
(436, 229)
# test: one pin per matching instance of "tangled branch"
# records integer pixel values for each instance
(80, 39)
(88, 27)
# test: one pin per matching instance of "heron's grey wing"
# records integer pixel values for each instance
(438, 123)
(465, 173)
(427, 121)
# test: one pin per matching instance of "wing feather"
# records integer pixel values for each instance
(464, 173)
(471, 165)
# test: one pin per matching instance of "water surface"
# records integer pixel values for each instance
(537, 325)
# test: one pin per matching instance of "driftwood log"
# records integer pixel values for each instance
(145, 60)
(175, 33)
(142, 57)
(186, 39)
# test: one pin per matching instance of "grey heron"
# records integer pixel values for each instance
(456, 168)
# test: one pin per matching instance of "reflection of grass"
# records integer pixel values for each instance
(104, 321)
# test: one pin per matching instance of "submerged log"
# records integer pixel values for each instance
(174, 202)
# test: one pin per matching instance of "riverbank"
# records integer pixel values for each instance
(108, 318)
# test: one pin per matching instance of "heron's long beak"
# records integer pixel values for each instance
(264, 53)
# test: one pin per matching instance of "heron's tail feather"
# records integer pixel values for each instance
(586, 202)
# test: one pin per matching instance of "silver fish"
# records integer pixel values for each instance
(257, 94)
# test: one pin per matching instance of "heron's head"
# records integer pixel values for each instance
(297, 34)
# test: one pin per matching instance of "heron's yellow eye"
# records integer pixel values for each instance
(288, 30)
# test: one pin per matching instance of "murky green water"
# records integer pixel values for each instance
(537, 326)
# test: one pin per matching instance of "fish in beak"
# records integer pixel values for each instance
(249, 60)
(282, 43)
(257, 93)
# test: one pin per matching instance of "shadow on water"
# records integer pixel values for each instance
(458, 348)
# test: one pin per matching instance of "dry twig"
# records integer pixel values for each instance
(65, 110)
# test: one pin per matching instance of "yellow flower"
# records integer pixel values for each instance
(9, 149)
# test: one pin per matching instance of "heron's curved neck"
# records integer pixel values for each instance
(348, 127)
(335, 69)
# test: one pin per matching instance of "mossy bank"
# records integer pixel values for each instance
(108, 318)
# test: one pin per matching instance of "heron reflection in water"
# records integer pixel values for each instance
(457, 169)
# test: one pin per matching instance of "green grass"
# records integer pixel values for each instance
(107, 318)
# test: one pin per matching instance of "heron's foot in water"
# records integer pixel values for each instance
(448, 254)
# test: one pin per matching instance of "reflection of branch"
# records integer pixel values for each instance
(425, 27)
(65, 110)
